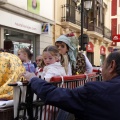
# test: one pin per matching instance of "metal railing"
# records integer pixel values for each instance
(94, 27)
(107, 33)
(72, 14)
(32, 108)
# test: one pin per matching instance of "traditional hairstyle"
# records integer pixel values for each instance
(114, 56)
(26, 50)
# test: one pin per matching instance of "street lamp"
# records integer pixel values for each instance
(87, 4)
(84, 4)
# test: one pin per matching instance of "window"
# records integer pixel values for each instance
(15, 40)
(70, 11)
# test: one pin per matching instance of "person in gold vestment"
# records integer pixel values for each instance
(10, 70)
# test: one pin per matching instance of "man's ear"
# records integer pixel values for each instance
(112, 66)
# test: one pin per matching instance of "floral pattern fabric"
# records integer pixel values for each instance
(10, 70)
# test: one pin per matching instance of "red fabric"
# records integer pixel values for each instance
(114, 26)
(114, 7)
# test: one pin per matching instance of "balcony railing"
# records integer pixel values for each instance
(71, 14)
(93, 27)
(107, 33)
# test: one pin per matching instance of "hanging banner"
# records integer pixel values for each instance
(90, 47)
(114, 44)
(102, 50)
(116, 38)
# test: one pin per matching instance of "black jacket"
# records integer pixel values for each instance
(93, 101)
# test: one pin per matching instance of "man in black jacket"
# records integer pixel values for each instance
(93, 101)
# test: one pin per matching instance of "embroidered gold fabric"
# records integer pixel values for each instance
(10, 70)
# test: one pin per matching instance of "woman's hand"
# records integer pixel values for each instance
(28, 75)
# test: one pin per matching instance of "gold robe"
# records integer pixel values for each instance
(10, 70)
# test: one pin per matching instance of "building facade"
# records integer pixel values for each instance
(115, 22)
(22, 24)
(96, 26)
(26, 23)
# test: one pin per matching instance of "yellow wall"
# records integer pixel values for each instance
(96, 52)
(58, 10)
(57, 31)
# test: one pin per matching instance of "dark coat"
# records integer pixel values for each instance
(93, 101)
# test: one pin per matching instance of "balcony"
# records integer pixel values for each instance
(71, 17)
(107, 34)
(95, 28)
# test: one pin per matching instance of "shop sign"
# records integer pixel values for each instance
(45, 28)
(18, 22)
(114, 44)
(102, 50)
(116, 38)
(90, 47)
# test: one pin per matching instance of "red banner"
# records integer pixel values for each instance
(116, 38)
(102, 50)
(90, 47)
(114, 44)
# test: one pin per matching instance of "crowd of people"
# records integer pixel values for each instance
(61, 59)
(98, 100)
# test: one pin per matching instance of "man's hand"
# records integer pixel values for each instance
(28, 75)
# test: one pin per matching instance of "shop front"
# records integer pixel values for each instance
(17, 32)
(102, 54)
(90, 52)
(14, 40)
